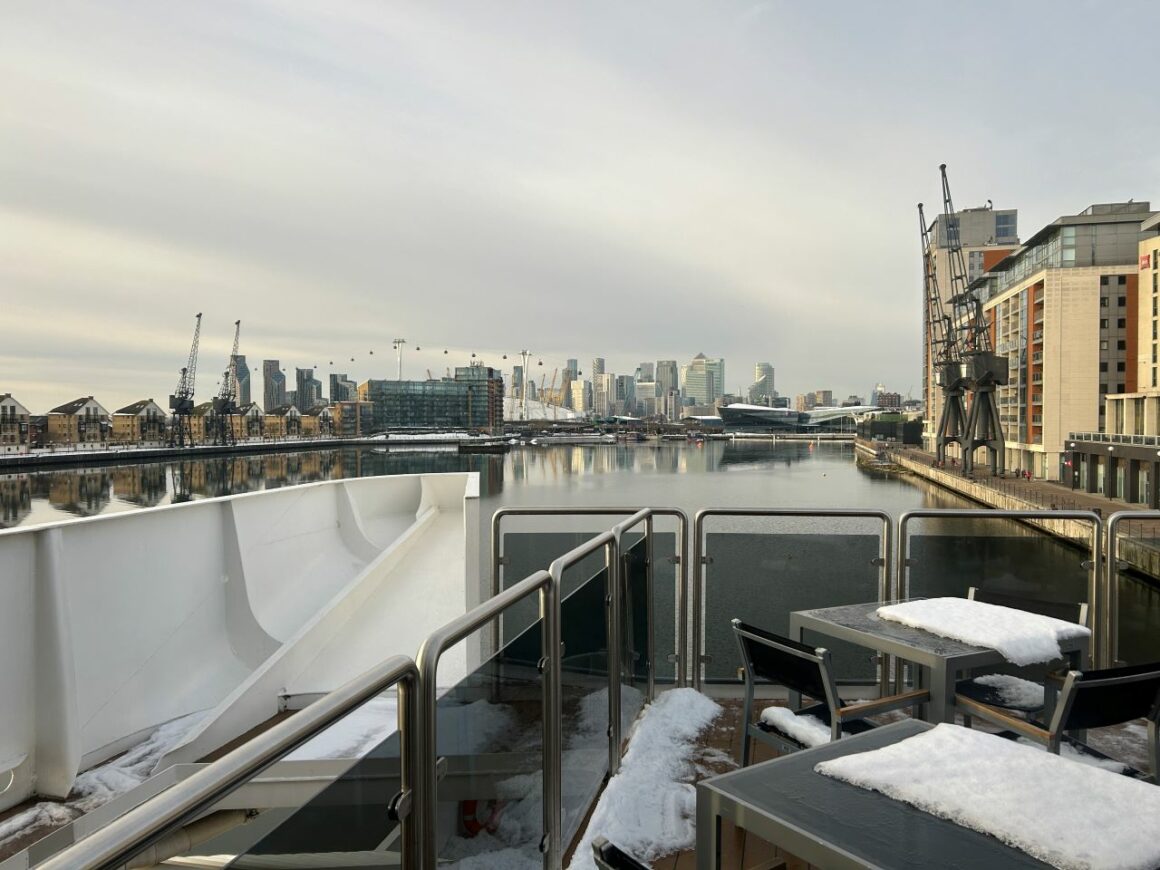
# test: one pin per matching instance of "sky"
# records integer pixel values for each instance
(634, 181)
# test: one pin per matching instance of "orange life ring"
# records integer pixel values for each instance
(481, 816)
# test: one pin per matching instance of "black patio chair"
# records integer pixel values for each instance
(609, 856)
(806, 670)
(1068, 611)
(1088, 699)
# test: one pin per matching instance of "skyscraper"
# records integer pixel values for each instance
(762, 391)
(666, 376)
(597, 367)
(704, 379)
(273, 385)
(645, 372)
(309, 392)
(342, 389)
(242, 373)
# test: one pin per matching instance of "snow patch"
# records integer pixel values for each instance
(806, 730)
(1023, 638)
(1068, 815)
(1013, 691)
(98, 786)
(649, 807)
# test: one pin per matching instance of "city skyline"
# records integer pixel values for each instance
(565, 175)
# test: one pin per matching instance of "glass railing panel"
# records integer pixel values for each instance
(527, 552)
(489, 739)
(1138, 595)
(761, 577)
(326, 798)
(948, 556)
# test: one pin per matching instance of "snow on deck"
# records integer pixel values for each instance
(1066, 814)
(649, 807)
(1023, 638)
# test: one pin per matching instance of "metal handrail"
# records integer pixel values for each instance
(1110, 646)
(1097, 592)
(126, 836)
(426, 791)
(698, 577)
(681, 556)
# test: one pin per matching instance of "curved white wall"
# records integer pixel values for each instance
(112, 625)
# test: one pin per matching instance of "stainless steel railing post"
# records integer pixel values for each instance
(616, 616)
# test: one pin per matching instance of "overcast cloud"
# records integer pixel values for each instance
(637, 181)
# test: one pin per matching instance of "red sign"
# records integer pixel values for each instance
(1145, 261)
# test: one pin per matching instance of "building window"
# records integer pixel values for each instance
(1119, 388)
(1103, 344)
(1103, 388)
(1121, 322)
(1103, 302)
(1121, 345)
(1103, 280)
(1122, 280)
(1154, 354)
(1155, 300)
(1121, 301)
(1153, 375)
(1119, 367)
(1103, 323)
(1103, 367)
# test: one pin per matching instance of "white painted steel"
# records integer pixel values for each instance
(110, 626)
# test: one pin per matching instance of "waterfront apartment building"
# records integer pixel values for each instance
(246, 424)
(1064, 310)
(273, 384)
(282, 422)
(1123, 459)
(142, 422)
(82, 422)
(472, 399)
(14, 425)
(353, 418)
(581, 396)
(987, 235)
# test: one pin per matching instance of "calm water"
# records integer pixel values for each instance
(815, 562)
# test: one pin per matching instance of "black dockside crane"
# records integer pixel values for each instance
(961, 354)
(181, 402)
(225, 405)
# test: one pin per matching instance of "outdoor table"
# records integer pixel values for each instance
(829, 823)
(940, 659)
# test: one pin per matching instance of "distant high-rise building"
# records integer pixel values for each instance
(625, 396)
(581, 396)
(823, 398)
(878, 388)
(309, 392)
(597, 367)
(573, 368)
(273, 385)
(242, 373)
(805, 402)
(342, 389)
(704, 379)
(762, 391)
(603, 388)
(646, 371)
(666, 377)
(517, 390)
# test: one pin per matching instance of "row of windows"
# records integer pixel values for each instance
(1121, 301)
(1121, 366)
(1121, 344)
(1121, 322)
(1119, 388)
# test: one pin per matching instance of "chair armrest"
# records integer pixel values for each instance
(971, 707)
(882, 705)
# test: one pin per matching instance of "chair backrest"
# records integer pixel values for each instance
(1068, 611)
(778, 659)
(609, 856)
(1097, 699)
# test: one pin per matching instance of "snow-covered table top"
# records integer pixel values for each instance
(1066, 814)
(1022, 638)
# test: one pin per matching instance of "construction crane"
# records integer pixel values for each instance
(225, 405)
(983, 369)
(181, 402)
(552, 392)
(944, 357)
